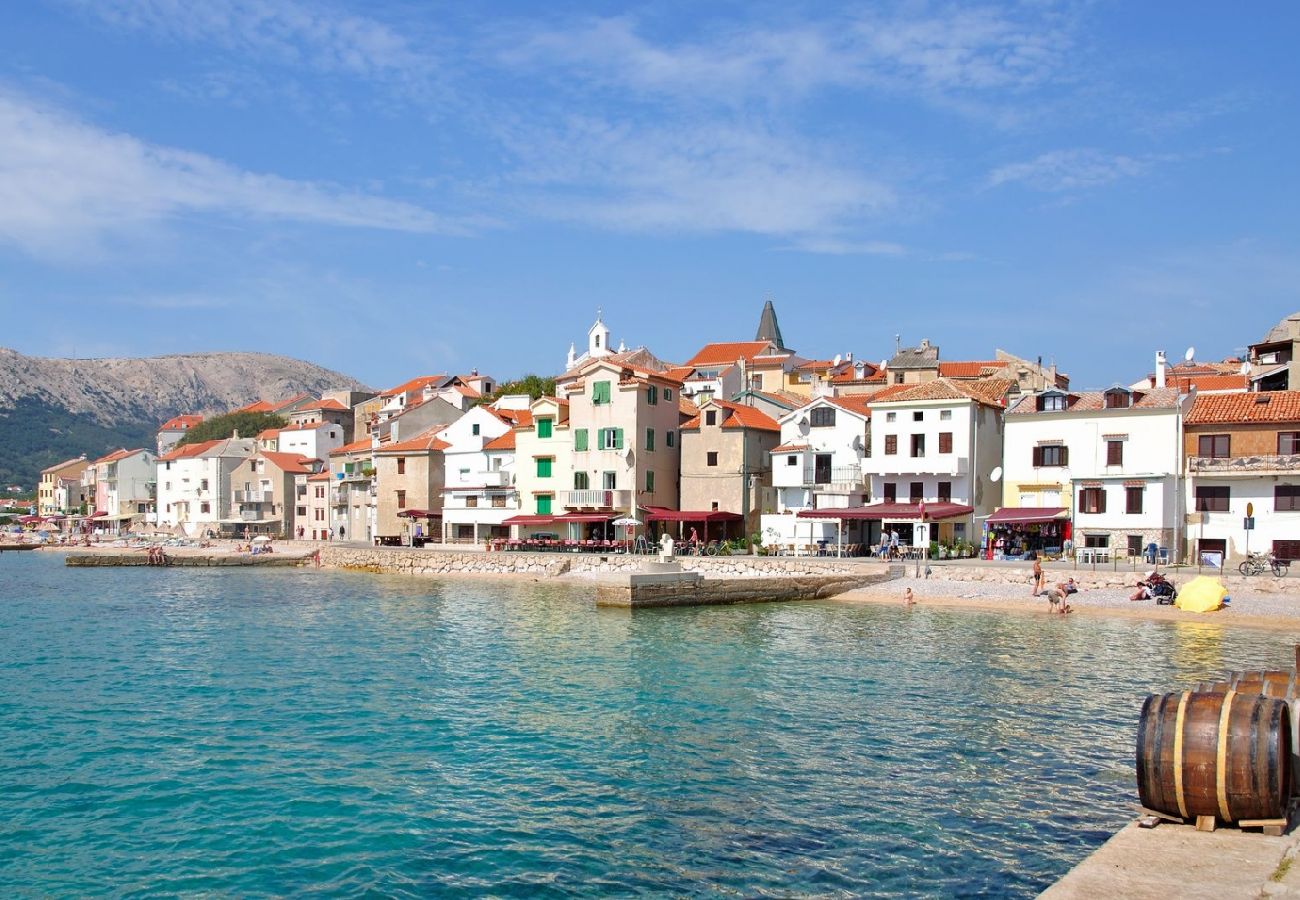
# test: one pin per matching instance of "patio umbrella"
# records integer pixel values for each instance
(627, 520)
(261, 537)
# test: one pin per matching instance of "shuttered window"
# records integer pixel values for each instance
(580, 439)
(544, 467)
(891, 444)
(945, 442)
(1092, 500)
(1115, 453)
(1286, 497)
(652, 394)
(544, 427)
(650, 439)
(1051, 455)
(1213, 498)
(599, 392)
(1215, 446)
(945, 491)
(610, 438)
(1133, 499)
(543, 504)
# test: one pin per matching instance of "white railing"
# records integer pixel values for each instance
(836, 475)
(253, 496)
(596, 499)
(497, 478)
(931, 464)
(1244, 465)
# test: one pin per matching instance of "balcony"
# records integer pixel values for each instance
(498, 478)
(1227, 467)
(835, 480)
(596, 499)
(931, 464)
(254, 496)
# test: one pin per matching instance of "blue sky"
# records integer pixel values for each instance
(399, 188)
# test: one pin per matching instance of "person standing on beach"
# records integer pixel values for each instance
(1039, 579)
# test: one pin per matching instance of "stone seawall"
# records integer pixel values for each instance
(409, 561)
(1105, 576)
(189, 560)
(645, 591)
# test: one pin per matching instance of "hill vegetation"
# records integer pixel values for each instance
(245, 424)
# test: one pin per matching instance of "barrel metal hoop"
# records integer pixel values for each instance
(1221, 758)
(1178, 754)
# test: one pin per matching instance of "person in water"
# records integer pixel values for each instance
(908, 598)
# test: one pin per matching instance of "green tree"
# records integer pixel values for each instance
(248, 424)
(533, 385)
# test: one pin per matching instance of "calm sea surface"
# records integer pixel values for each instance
(286, 732)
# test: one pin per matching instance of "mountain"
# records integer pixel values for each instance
(55, 409)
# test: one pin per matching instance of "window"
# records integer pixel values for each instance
(1051, 455)
(475, 429)
(205, 507)
(670, 439)
(668, 393)
(611, 438)
(1118, 398)
(471, 502)
(302, 511)
(498, 501)
(916, 492)
(713, 505)
(1286, 497)
(1114, 453)
(891, 492)
(1213, 498)
(945, 491)
(545, 427)
(1215, 446)
(1134, 545)
(918, 445)
(891, 417)
(580, 439)
(401, 465)
(918, 416)
(711, 417)
(945, 415)
(652, 395)
(650, 439)
(822, 417)
(891, 444)
(898, 378)
(609, 481)
(1133, 499)
(544, 466)
(1288, 443)
(203, 484)
(711, 458)
(650, 480)
(543, 504)
(1051, 402)
(1092, 500)
(401, 499)
(580, 481)
(945, 442)
(599, 392)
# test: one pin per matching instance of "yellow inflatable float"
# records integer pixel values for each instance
(1202, 594)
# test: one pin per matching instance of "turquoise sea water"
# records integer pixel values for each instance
(294, 732)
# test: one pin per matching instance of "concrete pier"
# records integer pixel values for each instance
(139, 558)
(665, 584)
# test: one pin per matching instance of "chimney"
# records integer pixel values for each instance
(234, 434)
(1160, 368)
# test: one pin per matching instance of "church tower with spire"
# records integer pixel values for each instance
(768, 329)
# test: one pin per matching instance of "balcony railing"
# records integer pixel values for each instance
(596, 499)
(496, 478)
(1243, 465)
(253, 496)
(835, 478)
(930, 464)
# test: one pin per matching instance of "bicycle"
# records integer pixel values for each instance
(1258, 563)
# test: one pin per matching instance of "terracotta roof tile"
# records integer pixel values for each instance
(1095, 401)
(423, 442)
(1261, 406)
(354, 447)
(292, 463)
(188, 450)
(296, 398)
(789, 448)
(990, 391)
(180, 423)
(503, 442)
(415, 384)
(116, 455)
(970, 369)
(255, 406)
(330, 404)
(712, 354)
(855, 403)
(1209, 382)
(737, 416)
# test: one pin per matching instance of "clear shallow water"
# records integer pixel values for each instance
(278, 732)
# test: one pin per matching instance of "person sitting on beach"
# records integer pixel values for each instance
(1143, 591)
(908, 599)
(1069, 586)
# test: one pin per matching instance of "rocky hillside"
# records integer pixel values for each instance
(53, 409)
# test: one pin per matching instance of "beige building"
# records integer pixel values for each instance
(263, 494)
(352, 492)
(726, 461)
(543, 467)
(313, 506)
(48, 496)
(409, 480)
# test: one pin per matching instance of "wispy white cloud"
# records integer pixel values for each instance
(67, 188)
(839, 247)
(1071, 170)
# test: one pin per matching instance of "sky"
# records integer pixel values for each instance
(401, 188)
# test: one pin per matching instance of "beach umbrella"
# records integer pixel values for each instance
(261, 537)
(627, 520)
(1203, 593)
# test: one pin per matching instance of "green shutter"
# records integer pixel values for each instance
(600, 392)
(580, 439)
(543, 428)
(669, 439)
(618, 438)
(650, 480)
(652, 395)
(544, 467)
(650, 439)
(544, 504)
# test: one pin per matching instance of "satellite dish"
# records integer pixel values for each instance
(1245, 367)
(996, 475)
(803, 425)
(630, 455)
(857, 442)
(1190, 354)
(836, 360)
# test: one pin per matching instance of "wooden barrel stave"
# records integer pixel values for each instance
(1279, 683)
(1215, 754)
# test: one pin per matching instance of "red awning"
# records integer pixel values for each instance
(585, 517)
(98, 514)
(421, 514)
(901, 512)
(529, 520)
(660, 514)
(1027, 515)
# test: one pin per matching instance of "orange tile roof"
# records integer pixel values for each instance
(1210, 382)
(789, 448)
(320, 476)
(180, 423)
(415, 384)
(854, 403)
(686, 407)
(711, 354)
(116, 455)
(425, 442)
(291, 463)
(188, 450)
(817, 364)
(268, 433)
(1261, 406)
(330, 404)
(990, 391)
(296, 398)
(969, 369)
(737, 416)
(354, 447)
(504, 442)
(255, 406)
(1095, 401)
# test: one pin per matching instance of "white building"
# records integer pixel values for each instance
(1100, 468)
(478, 481)
(313, 440)
(934, 446)
(194, 483)
(124, 493)
(819, 466)
(173, 430)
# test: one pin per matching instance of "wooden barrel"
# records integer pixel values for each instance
(1207, 754)
(1281, 684)
(1276, 682)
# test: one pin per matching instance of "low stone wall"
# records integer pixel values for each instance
(1106, 576)
(640, 591)
(199, 560)
(410, 561)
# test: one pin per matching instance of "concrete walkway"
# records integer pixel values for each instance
(1179, 861)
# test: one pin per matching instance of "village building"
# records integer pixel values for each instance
(726, 464)
(479, 464)
(352, 492)
(193, 483)
(60, 490)
(173, 430)
(1094, 470)
(409, 482)
(123, 490)
(312, 499)
(264, 495)
(919, 364)
(327, 410)
(1243, 467)
(543, 469)
(313, 440)
(1274, 361)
